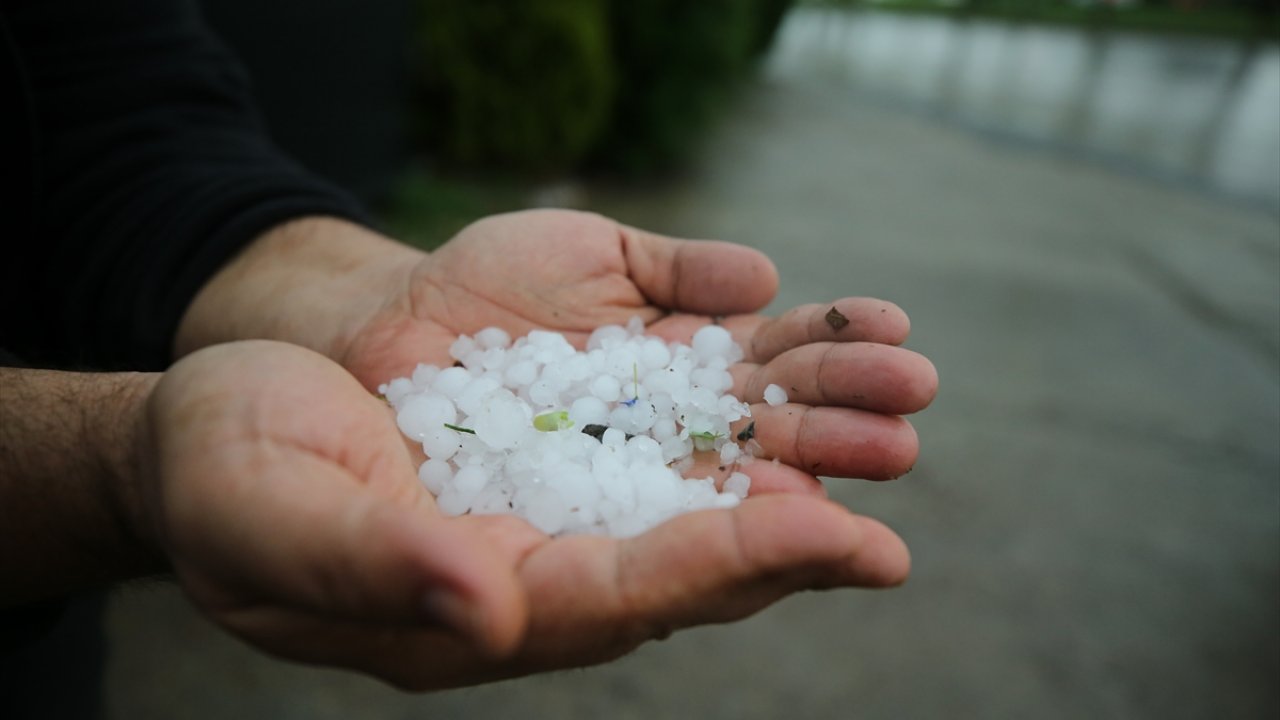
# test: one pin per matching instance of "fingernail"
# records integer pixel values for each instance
(452, 612)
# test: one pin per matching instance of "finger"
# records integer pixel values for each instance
(846, 320)
(595, 599)
(698, 276)
(710, 567)
(835, 442)
(869, 376)
(766, 477)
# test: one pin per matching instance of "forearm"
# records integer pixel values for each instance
(312, 282)
(70, 466)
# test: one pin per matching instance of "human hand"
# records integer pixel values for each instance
(572, 272)
(379, 308)
(285, 501)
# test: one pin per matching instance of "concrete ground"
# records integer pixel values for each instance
(1095, 519)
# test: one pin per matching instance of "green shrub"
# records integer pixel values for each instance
(676, 62)
(526, 85)
(537, 86)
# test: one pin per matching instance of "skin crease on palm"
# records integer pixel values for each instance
(349, 563)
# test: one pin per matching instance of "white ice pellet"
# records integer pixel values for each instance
(726, 500)
(775, 395)
(503, 433)
(606, 388)
(520, 374)
(434, 473)
(607, 337)
(474, 395)
(462, 347)
(440, 442)
(738, 484)
(588, 410)
(576, 368)
(614, 438)
(450, 382)
(424, 374)
(422, 413)
(470, 480)
(712, 379)
(541, 394)
(654, 354)
(674, 448)
(451, 503)
(546, 510)
(712, 341)
(502, 420)
(397, 389)
(704, 399)
(493, 338)
(663, 428)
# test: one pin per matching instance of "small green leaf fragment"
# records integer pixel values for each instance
(704, 440)
(552, 421)
(469, 431)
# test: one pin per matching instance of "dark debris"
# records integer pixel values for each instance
(836, 319)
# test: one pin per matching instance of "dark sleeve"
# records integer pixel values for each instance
(148, 167)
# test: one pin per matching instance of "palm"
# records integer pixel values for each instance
(557, 270)
(293, 517)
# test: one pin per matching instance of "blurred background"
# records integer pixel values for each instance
(1077, 202)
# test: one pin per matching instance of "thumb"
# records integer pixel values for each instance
(337, 549)
(703, 277)
(406, 566)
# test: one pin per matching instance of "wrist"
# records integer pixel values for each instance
(70, 472)
(126, 454)
(313, 282)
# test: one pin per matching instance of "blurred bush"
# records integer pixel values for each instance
(525, 85)
(543, 87)
(676, 61)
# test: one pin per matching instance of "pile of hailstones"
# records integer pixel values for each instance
(578, 442)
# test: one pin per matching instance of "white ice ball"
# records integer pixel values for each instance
(422, 413)
(738, 484)
(712, 341)
(589, 410)
(606, 388)
(775, 395)
(435, 474)
(493, 338)
(441, 443)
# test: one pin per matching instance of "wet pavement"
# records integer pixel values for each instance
(1202, 111)
(1095, 519)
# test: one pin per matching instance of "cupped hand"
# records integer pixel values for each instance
(287, 504)
(848, 381)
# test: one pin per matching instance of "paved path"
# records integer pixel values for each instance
(1096, 516)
